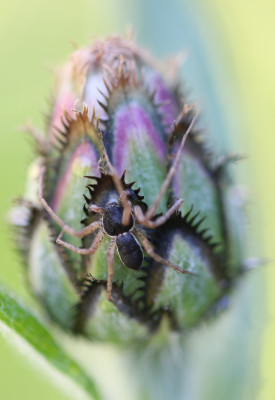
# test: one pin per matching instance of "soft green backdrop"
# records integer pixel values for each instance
(230, 70)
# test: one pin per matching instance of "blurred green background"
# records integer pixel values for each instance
(230, 71)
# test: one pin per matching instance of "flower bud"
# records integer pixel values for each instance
(112, 121)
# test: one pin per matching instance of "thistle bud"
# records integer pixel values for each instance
(129, 255)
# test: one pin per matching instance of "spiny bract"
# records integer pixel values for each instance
(112, 97)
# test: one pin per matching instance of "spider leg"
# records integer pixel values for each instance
(127, 207)
(152, 210)
(91, 250)
(149, 249)
(81, 233)
(110, 258)
(141, 218)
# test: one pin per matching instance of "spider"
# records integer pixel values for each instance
(121, 220)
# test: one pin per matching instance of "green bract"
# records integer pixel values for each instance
(112, 102)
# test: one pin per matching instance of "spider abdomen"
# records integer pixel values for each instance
(129, 250)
